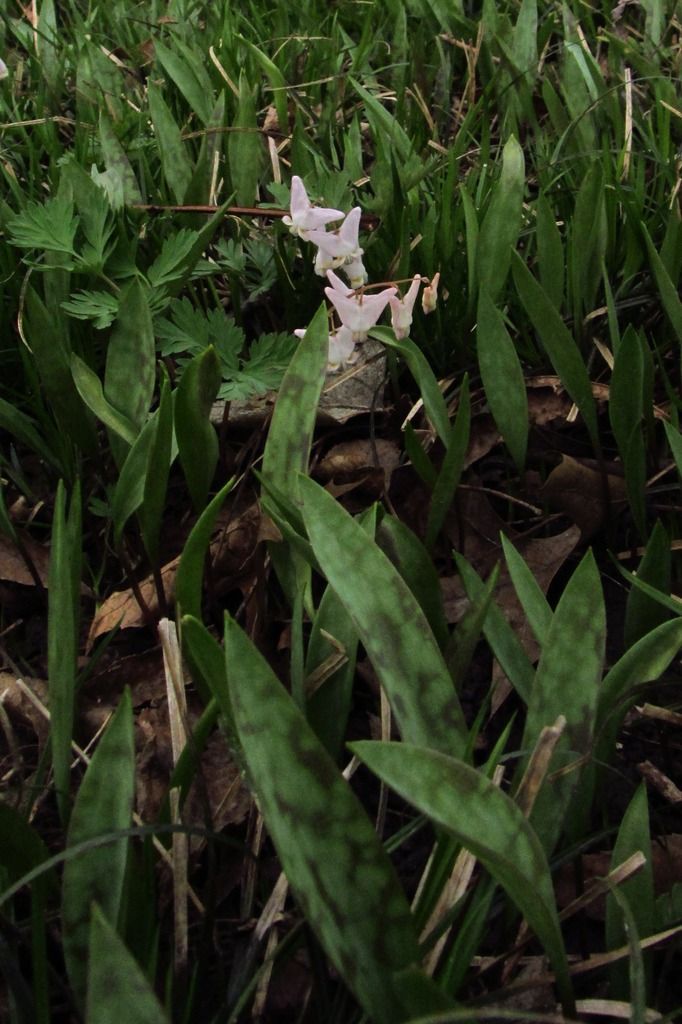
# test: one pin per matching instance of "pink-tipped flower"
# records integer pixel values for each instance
(341, 347)
(430, 295)
(335, 248)
(304, 216)
(354, 269)
(401, 309)
(357, 312)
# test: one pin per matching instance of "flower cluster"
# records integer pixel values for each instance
(340, 249)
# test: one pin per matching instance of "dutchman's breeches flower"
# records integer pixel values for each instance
(357, 312)
(341, 347)
(306, 218)
(401, 309)
(3, 70)
(334, 248)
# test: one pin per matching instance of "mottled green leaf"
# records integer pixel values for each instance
(418, 365)
(117, 988)
(131, 357)
(642, 614)
(62, 636)
(633, 837)
(196, 435)
(389, 621)
(487, 822)
(175, 162)
(551, 262)
(287, 449)
(566, 683)
(245, 146)
(450, 472)
(156, 474)
(90, 389)
(502, 222)
(119, 173)
(328, 848)
(502, 376)
(558, 343)
(534, 603)
(503, 641)
(413, 562)
(104, 804)
(626, 412)
(183, 73)
(666, 289)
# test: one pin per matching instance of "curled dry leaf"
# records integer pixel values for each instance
(581, 492)
(232, 545)
(13, 567)
(371, 461)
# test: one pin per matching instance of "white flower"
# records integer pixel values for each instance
(401, 309)
(3, 70)
(304, 216)
(430, 295)
(354, 269)
(335, 248)
(357, 312)
(341, 347)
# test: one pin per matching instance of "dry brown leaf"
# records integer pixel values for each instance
(372, 461)
(577, 489)
(13, 567)
(233, 544)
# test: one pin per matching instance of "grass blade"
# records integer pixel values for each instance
(104, 804)
(196, 435)
(62, 636)
(501, 224)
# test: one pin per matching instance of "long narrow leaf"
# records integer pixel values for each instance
(487, 822)
(389, 621)
(329, 851)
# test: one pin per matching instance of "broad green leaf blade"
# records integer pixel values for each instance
(551, 263)
(156, 474)
(642, 614)
(103, 805)
(503, 641)
(131, 357)
(389, 621)
(328, 707)
(558, 343)
(117, 988)
(180, 69)
(207, 657)
(626, 413)
(196, 435)
(191, 568)
(119, 174)
(413, 562)
(534, 603)
(451, 470)
(90, 389)
(502, 378)
(129, 491)
(287, 449)
(290, 438)
(245, 146)
(501, 224)
(644, 662)
(487, 822)
(175, 162)
(329, 851)
(633, 837)
(62, 636)
(418, 365)
(566, 683)
(667, 290)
